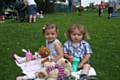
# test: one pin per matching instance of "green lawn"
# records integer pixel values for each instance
(104, 39)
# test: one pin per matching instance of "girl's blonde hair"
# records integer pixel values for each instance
(80, 27)
(49, 26)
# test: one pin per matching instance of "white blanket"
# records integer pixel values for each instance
(30, 68)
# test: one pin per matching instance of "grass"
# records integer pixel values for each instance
(104, 34)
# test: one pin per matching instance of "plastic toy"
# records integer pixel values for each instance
(75, 63)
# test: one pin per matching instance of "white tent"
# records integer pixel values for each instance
(87, 2)
(84, 3)
(116, 4)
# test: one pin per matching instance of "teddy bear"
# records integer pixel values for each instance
(49, 72)
(67, 66)
(56, 71)
(44, 53)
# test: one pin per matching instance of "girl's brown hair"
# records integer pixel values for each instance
(80, 27)
(49, 26)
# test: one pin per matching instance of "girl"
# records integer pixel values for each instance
(77, 49)
(50, 32)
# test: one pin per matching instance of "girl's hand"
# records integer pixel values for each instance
(70, 59)
(80, 65)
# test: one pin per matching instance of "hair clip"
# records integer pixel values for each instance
(43, 28)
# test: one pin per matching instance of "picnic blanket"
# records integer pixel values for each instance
(30, 68)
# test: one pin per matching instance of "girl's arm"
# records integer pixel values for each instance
(59, 51)
(70, 58)
(84, 60)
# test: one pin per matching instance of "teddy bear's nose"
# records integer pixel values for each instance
(66, 61)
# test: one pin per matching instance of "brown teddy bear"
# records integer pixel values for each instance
(44, 53)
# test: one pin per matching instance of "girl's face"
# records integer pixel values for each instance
(50, 34)
(76, 36)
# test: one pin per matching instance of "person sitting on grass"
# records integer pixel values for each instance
(77, 48)
(50, 32)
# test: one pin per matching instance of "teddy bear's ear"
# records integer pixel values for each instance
(41, 75)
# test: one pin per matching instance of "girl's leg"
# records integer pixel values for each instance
(99, 12)
(34, 18)
(110, 15)
(86, 69)
(30, 18)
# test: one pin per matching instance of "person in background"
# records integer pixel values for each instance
(101, 7)
(2, 18)
(110, 9)
(32, 8)
(69, 6)
(21, 10)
